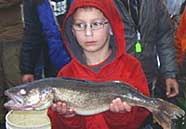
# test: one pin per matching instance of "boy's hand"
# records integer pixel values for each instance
(118, 106)
(62, 109)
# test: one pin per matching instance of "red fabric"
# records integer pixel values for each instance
(132, 74)
(59, 122)
(181, 38)
(124, 68)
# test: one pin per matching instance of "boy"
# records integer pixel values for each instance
(93, 34)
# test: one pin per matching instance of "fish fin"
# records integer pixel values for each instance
(166, 112)
(171, 109)
(162, 119)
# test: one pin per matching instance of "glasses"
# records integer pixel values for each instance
(93, 26)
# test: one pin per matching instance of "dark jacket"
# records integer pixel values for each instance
(156, 38)
(122, 67)
(35, 49)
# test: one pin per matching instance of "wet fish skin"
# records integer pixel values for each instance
(87, 97)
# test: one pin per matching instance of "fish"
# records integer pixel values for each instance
(88, 97)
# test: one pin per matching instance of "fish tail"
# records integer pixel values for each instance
(165, 112)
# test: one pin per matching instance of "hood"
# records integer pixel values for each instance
(109, 10)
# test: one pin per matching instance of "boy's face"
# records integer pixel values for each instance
(91, 29)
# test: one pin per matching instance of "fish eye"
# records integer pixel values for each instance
(22, 92)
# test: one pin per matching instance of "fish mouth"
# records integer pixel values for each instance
(14, 97)
(16, 102)
(11, 104)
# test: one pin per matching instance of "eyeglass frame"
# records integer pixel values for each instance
(90, 25)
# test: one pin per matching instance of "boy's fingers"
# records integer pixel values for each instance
(115, 106)
(120, 105)
(127, 107)
(62, 108)
(53, 107)
(111, 107)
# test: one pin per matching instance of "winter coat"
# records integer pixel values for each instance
(156, 38)
(41, 34)
(123, 67)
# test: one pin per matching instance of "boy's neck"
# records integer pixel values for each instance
(94, 58)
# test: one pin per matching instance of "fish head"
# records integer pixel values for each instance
(29, 98)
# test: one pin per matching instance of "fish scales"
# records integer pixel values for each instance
(89, 94)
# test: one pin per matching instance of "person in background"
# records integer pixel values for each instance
(42, 20)
(94, 36)
(149, 34)
(150, 38)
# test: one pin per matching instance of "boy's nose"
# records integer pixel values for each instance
(88, 31)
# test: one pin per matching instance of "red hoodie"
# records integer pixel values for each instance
(122, 67)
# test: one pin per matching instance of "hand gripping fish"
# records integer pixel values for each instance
(87, 97)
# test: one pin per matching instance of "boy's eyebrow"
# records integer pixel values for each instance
(91, 20)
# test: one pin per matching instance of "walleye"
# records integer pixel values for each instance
(87, 97)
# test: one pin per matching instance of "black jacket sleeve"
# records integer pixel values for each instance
(32, 38)
(166, 44)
